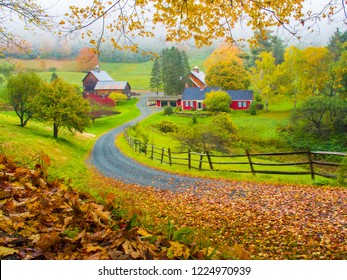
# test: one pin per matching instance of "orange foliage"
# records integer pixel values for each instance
(87, 59)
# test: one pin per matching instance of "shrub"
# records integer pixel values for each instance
(259, 106)
(167, 126)
(253, 109)
(168, 111)
(52, 69)
(217, 101)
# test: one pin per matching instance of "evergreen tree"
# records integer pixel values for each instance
(272, 44)
(156, 81)
(336, 43)
(174, 66)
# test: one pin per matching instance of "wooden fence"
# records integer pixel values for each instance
(308, 160)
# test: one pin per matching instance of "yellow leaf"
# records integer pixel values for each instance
(143, 232)
(5, 251)
(178, 250)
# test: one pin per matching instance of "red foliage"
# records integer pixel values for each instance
(101, 100)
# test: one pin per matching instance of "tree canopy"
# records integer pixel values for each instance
(61, 105)
(217, 101)
(229, 76)
(21, 89)
(203, 20)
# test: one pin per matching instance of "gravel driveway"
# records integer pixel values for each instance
(107, 158)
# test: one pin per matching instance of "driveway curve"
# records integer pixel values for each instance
(108, 159)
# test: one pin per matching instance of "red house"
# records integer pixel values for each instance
(196, 78)
(193, 98)
(100, 83)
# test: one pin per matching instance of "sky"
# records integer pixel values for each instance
(323, 30)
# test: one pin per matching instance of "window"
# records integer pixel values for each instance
(244, 104)
(239, 104)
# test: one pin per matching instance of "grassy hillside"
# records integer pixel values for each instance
(137, 74)
(68, 153)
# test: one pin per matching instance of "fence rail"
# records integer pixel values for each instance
(306, 165)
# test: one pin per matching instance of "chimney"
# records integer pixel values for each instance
(196, 69)
(97, 68)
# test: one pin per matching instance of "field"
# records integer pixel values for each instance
(69, 153)
(256, 133)
(137, 74)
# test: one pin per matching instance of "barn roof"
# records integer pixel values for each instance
(101, 76)
(197, 94)
(200, 75)
(110, 85)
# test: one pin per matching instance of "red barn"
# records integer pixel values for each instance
(100, 83)
(196, 78)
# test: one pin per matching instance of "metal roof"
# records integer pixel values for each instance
(101, 76)
(200, 75)
(110, 85)
(197, 94)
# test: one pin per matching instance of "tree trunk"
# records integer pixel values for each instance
(55, 131)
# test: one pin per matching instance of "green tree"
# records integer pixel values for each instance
(229, 76)
(61, 105)
(320, 119)
(217, 101)
(336, 43)
(206, 138)
(21, 89)
(54, 76)
(270, 44)
(156, 77)
(173, 69)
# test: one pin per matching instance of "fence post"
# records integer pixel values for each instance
(169, 154)
(162, 156)
(200, 163)
(152, 152)
(250, 162)
(209, 160)
(189, 160)
(310, 161)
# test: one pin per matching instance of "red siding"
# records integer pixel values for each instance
(236, 106)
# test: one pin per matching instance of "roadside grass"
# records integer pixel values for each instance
(69, 153)
(258, 134)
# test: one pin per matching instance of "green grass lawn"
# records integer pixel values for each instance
(258, 134)
(69, 153)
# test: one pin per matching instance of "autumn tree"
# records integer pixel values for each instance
(87, 59)
(21, 90)
(62, 105)
(118, 97)
(217, 101)
(264, 76)
(156, 77)
(203, 20)
(33, 15)
(223, 53)
(229, 76)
